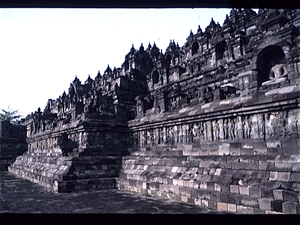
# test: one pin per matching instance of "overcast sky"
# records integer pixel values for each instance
(42, 50)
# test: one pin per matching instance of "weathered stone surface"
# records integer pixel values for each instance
(278, 194)
(290, 196)
(244, 210)
(295, 177)
(291, 208)
(214, 122)
(270, 204)
(283, 176)
(222, 206)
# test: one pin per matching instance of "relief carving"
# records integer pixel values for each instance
(216, 130)
(247, 127)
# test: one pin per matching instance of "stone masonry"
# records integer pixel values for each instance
(214, 123)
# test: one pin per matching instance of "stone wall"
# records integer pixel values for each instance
(223, 129)
(197, 159)
(246, 184)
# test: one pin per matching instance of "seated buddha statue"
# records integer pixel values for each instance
(278, 74)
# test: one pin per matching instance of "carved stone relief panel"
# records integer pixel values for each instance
(247, 126)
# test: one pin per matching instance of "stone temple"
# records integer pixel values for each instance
(213, 123)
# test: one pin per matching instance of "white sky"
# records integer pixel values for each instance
(41, 50)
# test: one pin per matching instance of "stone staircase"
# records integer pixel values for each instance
(249, 177)
(68, 174)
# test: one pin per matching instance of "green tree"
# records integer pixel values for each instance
(10, 115)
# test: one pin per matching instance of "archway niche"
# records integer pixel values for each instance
(267, 58)
(195, 48)
(155, 77)
(220, 49)
(168, 59)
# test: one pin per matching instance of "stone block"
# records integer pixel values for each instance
(176, 190)
(213, 151)
(186, 183)
(287, 185)
(267, 193)
(184, 199)
(291, 150)
(244, 210)
(212, 204)
(203, 152)
(290, 208)
(210, 186)
(224, 151)
(275, 151)
(247, 151)
(249, 201)
(215, 196)
(283, 166)
(218, 172)
(263, 175)
(295, 177)
(295, 167)
(244, 190)
(258, 211)
(234, 189)
(206, 171)
(231, 207)
(203, 185)
(273, 175)
(251, 166)
(237, 165)
(204, 203)
(180, 182)
(190, 201)
(177, 198)
(270, 204)
(236, 145)
(273, 144)
(194, 193)
(255, 191)
(260, 151)
(224, 197)
(221, 206)
(197, 201)
(283, 176)
(290, 196)
(217, 187)
(187, 147)
(225, 188)
(233, 199)
(214, 164)
(204, 164)
(235, 151)
(278, 194)
(225, 165)
(182, 191)
(266, 166)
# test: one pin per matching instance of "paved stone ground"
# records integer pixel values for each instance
(21, 196)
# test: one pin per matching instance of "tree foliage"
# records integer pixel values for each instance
(10, 115)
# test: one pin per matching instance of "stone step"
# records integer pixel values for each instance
(48, 171)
